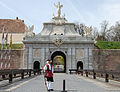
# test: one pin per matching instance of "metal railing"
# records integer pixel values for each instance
(9, 74)
(107, 74)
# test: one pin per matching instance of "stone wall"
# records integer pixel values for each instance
(106, 59)
(11, 59)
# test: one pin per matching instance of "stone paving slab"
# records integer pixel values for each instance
(74, 83)
(35, 84)
(79, 84)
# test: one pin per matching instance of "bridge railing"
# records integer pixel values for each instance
(106, 74)
(9, 74)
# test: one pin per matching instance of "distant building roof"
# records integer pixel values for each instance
(14, 25)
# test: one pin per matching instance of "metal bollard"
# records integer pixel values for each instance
(86, 73)
(10, 78)
(63, 86)
(94, 75)
(22, 75)
(81, 73)
(30, 73)
(106, 77)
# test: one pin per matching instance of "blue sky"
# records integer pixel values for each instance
(35, 12)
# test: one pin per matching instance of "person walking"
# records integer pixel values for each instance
(48, 69)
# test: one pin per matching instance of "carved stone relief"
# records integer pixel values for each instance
(36, 53)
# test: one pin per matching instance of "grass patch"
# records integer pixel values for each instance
(108, 45)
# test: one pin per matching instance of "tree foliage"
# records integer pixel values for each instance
(106, 33)
(111, 33)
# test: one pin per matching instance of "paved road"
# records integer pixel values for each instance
(77, 83)
(35, 84)
(74, 83)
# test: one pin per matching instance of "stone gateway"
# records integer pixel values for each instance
(59, 42)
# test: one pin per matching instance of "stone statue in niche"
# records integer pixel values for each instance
(29, 31)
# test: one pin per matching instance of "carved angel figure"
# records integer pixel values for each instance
(29, 31)
(87, 30)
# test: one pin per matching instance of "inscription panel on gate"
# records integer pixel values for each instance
(36, 53)
(79, 53)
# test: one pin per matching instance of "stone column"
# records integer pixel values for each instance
(68, 61)
(47, 53)
(90, 59)
(26, 52)
(85, 63)
(30, 63)
(42, 54)
(73, 59)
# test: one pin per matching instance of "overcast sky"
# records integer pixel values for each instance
(35, 12)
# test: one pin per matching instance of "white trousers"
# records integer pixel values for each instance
(49, 85)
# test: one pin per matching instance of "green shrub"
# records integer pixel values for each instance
(108, 45)
(14, 46)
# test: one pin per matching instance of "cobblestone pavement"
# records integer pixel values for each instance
(74, 83)
(77, 83)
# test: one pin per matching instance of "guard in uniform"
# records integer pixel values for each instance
(48, 69)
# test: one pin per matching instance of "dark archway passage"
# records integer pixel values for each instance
(36, 65)
(79, 65)
(59, 67)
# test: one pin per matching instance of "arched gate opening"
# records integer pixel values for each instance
(36, 65)
(59, 61)
(79, 65)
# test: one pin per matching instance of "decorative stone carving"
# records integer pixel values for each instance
(58, 42)
(87, 30)
(58, 9)
(36, 53)
(63, 16)
(79, 53)
(29, 31)
(58, 20)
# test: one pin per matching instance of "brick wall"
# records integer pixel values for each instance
(11, 59)
(15, 26)
(106, 59)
